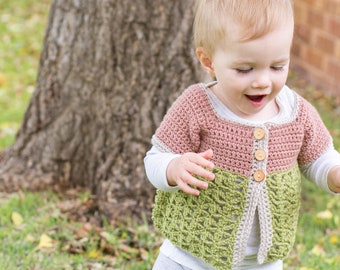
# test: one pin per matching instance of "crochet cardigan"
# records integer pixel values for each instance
(256, 168)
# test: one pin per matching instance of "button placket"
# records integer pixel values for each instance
(257, 197)
(260, 154)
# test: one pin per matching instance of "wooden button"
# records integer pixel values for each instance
(259, 133)
(259, 176)
(260, 154)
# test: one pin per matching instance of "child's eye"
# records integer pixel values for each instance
(244, 70)
(277, 68)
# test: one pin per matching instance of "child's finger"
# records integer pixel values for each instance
(197, 183)
(207, 154)
(187, 189)
(191, 189)
(202, 172)
(190, 184)
(203, 159)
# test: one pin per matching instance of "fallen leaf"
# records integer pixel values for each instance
(94, 254)
(87, 227)
(128, 250)
(17, 219)
(301, 248)
(318, 251)
(29, 238)
(45, 241)
(108, 237)
(3, 80)
(144, 254)
(334, 239)
(324, 215)
(81, 233)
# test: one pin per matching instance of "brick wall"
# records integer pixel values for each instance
(316, 47)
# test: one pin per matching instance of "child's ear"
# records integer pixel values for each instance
(205, 61)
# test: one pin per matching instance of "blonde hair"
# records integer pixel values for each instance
(254, 17)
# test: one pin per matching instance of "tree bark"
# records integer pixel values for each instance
(108, 72)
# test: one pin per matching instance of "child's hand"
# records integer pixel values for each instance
(334, 179)
(180, 171)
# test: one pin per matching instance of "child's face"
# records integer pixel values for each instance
(250, 74)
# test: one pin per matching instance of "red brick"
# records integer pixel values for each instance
(314, 57)
(337, 49)
(332, 7)
(300, 13)
(310, 2)
(304, 33)
(315, 18)
(333, 68)
(334, 25)
(325, 42)
(316, 4)
(297, 49)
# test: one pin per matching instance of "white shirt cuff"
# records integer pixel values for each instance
(156, 164)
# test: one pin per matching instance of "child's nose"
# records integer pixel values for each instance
(262, 80)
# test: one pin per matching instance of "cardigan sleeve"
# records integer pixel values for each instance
(179, 132)
(156, 163)
(317, 155)
(317, 171)
(317, 139)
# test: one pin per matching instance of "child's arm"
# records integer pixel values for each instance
(321, 171)
(156, 163)
(333, 179)
(181, 169)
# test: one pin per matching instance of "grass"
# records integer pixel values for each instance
(36, 234)
(22, 27)
(37, 230)
(22, 240)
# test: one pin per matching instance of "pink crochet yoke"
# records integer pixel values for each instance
(192, 125)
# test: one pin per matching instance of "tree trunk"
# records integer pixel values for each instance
(108, 72)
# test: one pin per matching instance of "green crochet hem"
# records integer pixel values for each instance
(207, 226)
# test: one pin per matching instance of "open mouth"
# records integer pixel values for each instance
(256, 100)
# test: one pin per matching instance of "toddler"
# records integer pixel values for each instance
(227, 157)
